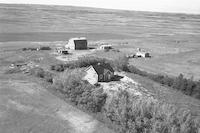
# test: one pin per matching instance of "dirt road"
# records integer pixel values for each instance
(28, 108)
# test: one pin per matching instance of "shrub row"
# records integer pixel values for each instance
(35, 49)
(119, 64)
(187, 86)
(81, 62)
(31, 49)
(124, 112)
(45, 48)
(80, 93)
(129, 114)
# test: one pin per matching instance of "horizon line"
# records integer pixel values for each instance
(117, 9)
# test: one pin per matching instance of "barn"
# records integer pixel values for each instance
(99, 73)
(77, 43)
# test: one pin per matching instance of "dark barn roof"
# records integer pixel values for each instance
(99, 68)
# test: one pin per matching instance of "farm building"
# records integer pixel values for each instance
(77, 43)
(61, 50)
(99, 73)
(142, 54)
(105, 46)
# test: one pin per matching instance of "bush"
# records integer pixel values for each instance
(145, 115)
(119, 64)
(45, 48)
(48, 76)
(58, 67)
(125, 112)
(31, 49)
(81, 62)
(187, 86)
(39, 72)
(79, 92)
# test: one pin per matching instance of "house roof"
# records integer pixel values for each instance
(99, 68)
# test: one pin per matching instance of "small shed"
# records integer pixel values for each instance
(77, 43)
(142, 54)
(19, 64)
(61, 50)
(105, 46)
(99, 73)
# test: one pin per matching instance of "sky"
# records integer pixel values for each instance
(172, 6)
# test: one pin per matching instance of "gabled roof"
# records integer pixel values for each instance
(99, 68)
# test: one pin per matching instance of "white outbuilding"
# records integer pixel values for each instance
(77, 43)
(105, 46)
(141, 53)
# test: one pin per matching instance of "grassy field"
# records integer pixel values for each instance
(172, 40)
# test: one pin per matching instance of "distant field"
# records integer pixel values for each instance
(37, 18)
(172, 39)
(56, 36)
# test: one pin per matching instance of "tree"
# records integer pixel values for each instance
(196, 91)
(178, 82)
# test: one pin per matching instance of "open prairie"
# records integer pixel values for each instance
(26, 104)
(172, 39)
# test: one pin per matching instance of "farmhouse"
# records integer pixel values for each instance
(77, 43)
(99, 73)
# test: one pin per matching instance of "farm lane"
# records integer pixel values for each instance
(27, 107)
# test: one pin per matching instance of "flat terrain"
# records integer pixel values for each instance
(172, 39)
(25, 104)
(27, 107)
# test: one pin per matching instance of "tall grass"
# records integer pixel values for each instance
(129, 114)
